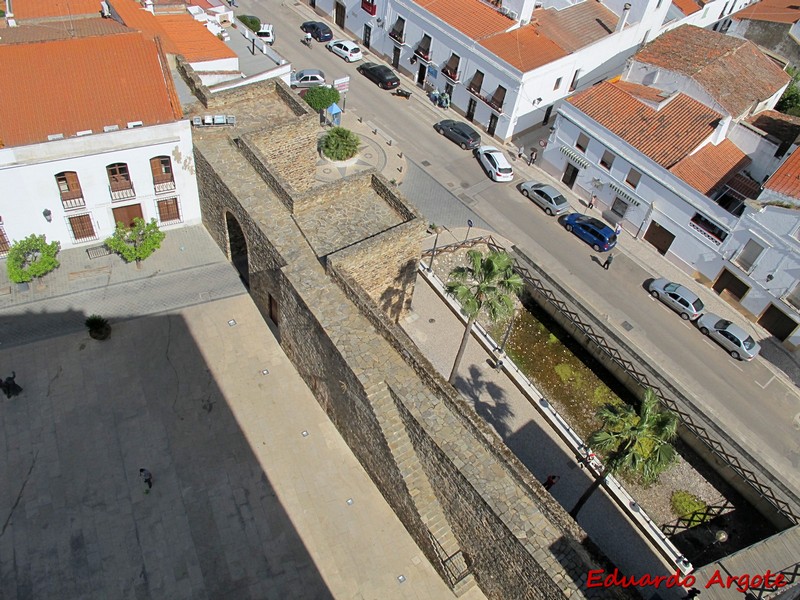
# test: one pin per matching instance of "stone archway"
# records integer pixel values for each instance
(237, 248)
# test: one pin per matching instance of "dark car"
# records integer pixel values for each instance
(461, 133)
(319, 31)
(592, 231)
(380, 74)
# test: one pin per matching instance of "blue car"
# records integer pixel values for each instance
(592, 231)
(319, 31)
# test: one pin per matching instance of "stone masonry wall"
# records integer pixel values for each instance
(291, 149)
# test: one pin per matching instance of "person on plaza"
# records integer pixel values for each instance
(551, 481)
(147, 477)
(307, 38)
(617, 229)
(609, 260)
(10, 387)
(591, 201)
(532, 158)
(521, 152)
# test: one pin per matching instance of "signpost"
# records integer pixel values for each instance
(342, 84)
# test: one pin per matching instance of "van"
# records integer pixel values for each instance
(266, 33)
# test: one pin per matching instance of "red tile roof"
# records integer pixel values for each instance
(192, 39)
(712, 166)
(732, 70)
(741, 183)
(576, 26)
(666, 135)
(473, 18)
(44, 9)
(60, 30)
(524, 48)
(786, 180)
(643, 92)
(83, 84)
(136, 17)
(687, 7)
(775, 11)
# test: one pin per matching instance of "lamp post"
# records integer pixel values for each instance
(501, 349)
(469, 226)
(438, 230)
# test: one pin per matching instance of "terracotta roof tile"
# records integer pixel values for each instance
(666, 135)
(524, 48)
(61, 30)
(741, 183)
(786, 180)
(473, 18)
(643, 92)
(732, 70)
(43, 9)
(577, 26)
(136, 17)
(687, 7)
(83, 84)
(712, 166)
(192, 39)
(775, 11)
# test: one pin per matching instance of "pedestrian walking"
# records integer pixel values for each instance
(521, 152)
(10, 387)
(551, 481)
(591, 201)
(147, 477)
(608, 262)
(532, 158)
(617, 229)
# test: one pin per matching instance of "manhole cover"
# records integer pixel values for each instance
(425, 163)
(626, 326)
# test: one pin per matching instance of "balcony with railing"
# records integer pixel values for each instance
(121, 189)
(450, 70)
(398, 32)
(423, 49)
(164, 183)
(495, 101)
(369, 7)
(72, 199)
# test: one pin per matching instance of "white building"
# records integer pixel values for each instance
(92, 134)
(662, 161)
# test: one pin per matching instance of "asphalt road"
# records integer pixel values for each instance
(757, 408)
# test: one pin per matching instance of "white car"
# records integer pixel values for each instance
(346, 49)
(266, 33)
(730, 336)
(495, 163)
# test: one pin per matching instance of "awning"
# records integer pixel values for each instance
(623, 194)
(574, 157)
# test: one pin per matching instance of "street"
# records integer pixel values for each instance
(754, 406)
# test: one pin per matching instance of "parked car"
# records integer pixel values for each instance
(730, 336)
(546, 196)
(495, 163)
(680, 299)
(592, 231)
(266, 33)
(319, 31)
(461, 133)
(307, 78)
(380, 74)
(346, 49)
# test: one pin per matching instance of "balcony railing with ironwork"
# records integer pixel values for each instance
(72, 199)
(490, 100)
(452, 74)
(163, 183)
(121, 190)
(370, 7)
(398, 36)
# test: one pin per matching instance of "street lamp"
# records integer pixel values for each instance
(469, 226)
(438, 230)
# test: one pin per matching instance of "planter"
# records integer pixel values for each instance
(99, 328)
(101, 333)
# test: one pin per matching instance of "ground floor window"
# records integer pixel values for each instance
(168, 210)
(4, 245)
(82, 227)
(620, 207)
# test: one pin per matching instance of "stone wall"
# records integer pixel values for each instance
(774, 37)
(291, 149)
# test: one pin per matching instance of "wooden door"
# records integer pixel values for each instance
(659, 237)
(126, 214)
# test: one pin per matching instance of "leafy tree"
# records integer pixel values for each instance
(251, 22)
(790, 101)
(320, 98)
(631, 442)
(137, 242)
(488, 284)
(340, 144)
(31, 258)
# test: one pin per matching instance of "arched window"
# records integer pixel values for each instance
(163, 180)
(119, 180)
(70, 189)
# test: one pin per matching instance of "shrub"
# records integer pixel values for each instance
(137, 242)
(685, 504)
(251, 22)
(31, 258)
(99, 328)
(320, 98)
(340, 144)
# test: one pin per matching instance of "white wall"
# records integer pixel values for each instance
(28, 185)
(709, 14)
(758, 147)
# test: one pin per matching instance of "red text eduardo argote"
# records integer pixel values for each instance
(742, 582)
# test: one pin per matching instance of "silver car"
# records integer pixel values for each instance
(730, 336)
(680, 299)
(307, 78)
(546, 196)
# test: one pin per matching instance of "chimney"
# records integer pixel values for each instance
(624, 18)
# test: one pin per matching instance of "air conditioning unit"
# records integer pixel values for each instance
(512, 15)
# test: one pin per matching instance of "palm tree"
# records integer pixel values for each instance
(638, 443)
(488, 284)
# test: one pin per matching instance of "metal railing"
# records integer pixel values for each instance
(456, 565)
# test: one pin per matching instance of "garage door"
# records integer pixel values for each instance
(660, 237)
(777, 322)
(728, 282)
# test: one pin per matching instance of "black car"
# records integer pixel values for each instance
(319, 31)
(380, 74)
(461, 133)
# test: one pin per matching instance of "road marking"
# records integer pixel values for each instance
(763, 387)
(735, 363)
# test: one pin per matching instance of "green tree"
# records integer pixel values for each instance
(320, 98)
(633, 442)
(31, 258)
(790, 101)
(137, 242)
(251, 22)
(488, 285)
(340, 144)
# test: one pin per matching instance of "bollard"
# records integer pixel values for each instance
(400, 155)
(375, 131)
(389, 141)
(400, 168)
